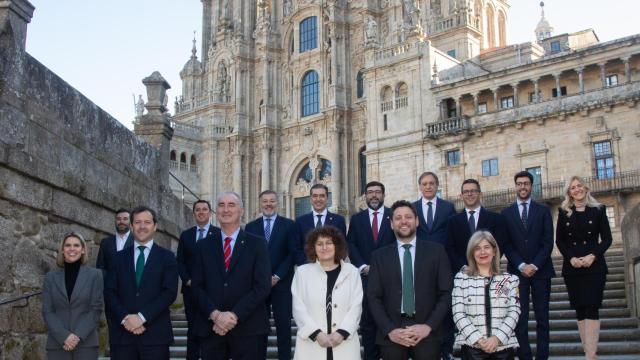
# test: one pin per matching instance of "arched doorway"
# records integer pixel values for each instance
(314, 171)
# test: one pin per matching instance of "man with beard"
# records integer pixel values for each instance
(186, 258)
(109, 246)
(369, 230)
(409, 313)
(318, 217)
(528, 250)
(277, 231)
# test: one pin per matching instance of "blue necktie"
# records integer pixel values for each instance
(429, 215)
(525, 215)
(472, 222)
(200, 234)
(267, 229)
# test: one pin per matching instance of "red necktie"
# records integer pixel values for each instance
(374, 227)
(227, 252)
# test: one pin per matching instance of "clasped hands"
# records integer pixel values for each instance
(584, 261)
(71, 342)
(529, 270)
(411, 335)
(134, 324)
(223, 321)
(489, 345)
(329, 340)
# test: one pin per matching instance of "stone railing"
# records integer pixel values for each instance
(448, 126)
(402, 102)
(393, 53)
(460, 19)
(213, 98)
(386, 106)
(554, 191)
(186, 130)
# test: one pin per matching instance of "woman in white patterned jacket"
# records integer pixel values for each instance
(485, 303)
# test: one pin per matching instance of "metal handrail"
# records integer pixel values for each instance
(21, 297)
(184, 187)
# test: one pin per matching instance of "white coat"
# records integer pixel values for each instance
(309, 290)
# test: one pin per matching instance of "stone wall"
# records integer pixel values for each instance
(65, 164)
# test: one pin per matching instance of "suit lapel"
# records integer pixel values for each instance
(482, 219)
(438, 217)
(238, 248)
(81, 281)
(421, 220)
(216, 248)
(329, 219)
(385, 227)
(367, 227)
(129, 267)
(277, 224)
(128, 243)
(59, 281)
(151, 260)
(515, 212)
(533, 213)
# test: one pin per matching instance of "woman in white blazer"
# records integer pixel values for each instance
(327, 300)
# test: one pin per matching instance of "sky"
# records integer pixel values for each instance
(105, 48)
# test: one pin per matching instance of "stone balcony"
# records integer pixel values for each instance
(553, 192)
(451, 126)
(394, 53)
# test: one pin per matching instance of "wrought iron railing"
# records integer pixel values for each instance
(23, 297)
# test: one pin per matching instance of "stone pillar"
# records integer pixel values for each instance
(495, 98)
(627, 69)
(206, 29)
(459, 107)
(558, 90)
(603, 74)
(16, 14)
(580, 71)
(536, 91)
(336, 167)
(154, 127)
(237, 173)
(475, 103)
(515, 94)
(266, 166)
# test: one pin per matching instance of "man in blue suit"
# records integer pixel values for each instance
(231, 284)
(318, 217)
(141, 285)
(369, 230)
(186, 258)
(528, 250)
(277, 231)
(474, 217)
(434, 214)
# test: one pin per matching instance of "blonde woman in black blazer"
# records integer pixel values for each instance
(583, 236)
(72, 303)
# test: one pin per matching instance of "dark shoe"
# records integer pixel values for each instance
(447, 357)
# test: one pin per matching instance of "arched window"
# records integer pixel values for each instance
(173, 155)
(502, 29)
(359, 85)
(308, 34)
(310, 94)
(386, 95)
(491, 31)
(183, 158)
(362, 165)
(260, 111)
(193, 160)
(402, 95)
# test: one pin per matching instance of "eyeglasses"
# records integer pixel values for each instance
(470, 192)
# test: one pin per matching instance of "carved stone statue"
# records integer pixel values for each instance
(222, 78)
(287, 7)
(411, 12)
(371, 31)
(139, 106)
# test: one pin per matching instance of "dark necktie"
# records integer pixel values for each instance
(227, 252)
(525, 215)
(139, 265)
(430, 215)
(472, 222)
(408, 300)
(200, 234)
(267, 229)
(374, 227)
(319, 223)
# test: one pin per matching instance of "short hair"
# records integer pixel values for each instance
(403, 203)
(372, 184)
(470, 181)
(267, 192)
(60, 255)
(234, 195)
(427, 173)
(523, 173)
(123, 210)
(319, 186)
(141, 209)
(475, 239)
(201, 201)
(331, 232)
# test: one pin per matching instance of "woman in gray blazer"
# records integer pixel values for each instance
(72, 303)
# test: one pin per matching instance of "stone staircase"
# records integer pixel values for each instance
(619, 337)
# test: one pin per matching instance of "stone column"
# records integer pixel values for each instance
(206, 29)
(154, 127)
(266, 166)
(515, 94)
(603, 74)
(237, 173)
(580, 71)
(475, 103)
(495, 98)
(558, 89)
(536, 91)
(627, 69)
(459, 107)
(336, 166)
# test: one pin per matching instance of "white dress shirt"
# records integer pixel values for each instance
(264, 222)
(323, 219)
(204, 233)
(476, 214)
(425, 208)
(136, 251)
(380, 215)
(121, 240)
(233, 237)
(401, 251)
(519, 203)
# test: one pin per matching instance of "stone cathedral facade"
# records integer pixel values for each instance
(285, 94)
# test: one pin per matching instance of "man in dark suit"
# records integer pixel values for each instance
(277, 231)
(109, 246)
(528, 250)
(474, 217)
(186, 258)
(141, 285)
(369, 230)
(433, 212)
(318, 217)
(409, 290)
(231, 283)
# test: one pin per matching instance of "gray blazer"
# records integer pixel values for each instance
(81, 315)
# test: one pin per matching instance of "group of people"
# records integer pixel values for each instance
(412, 279)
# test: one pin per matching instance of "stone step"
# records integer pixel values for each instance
(608, 294)
(605, 323)
(610, 277)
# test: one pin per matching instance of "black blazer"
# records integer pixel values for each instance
(304, 225)
(108, 250)
(243, 289)
(187, 252)
(438, 232)
(158, 290)
(282, 230)
(360, 236)
(459, 234)
(576, 238)
(432, 283)
(532, 245)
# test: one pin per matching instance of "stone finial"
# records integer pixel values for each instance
(14, 17)
(157, 88)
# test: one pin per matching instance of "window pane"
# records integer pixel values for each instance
(453, 157)
(494, 167)
(310, 94)
(486, 168)
(602, 148)
(359, 85)
(308, 34)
